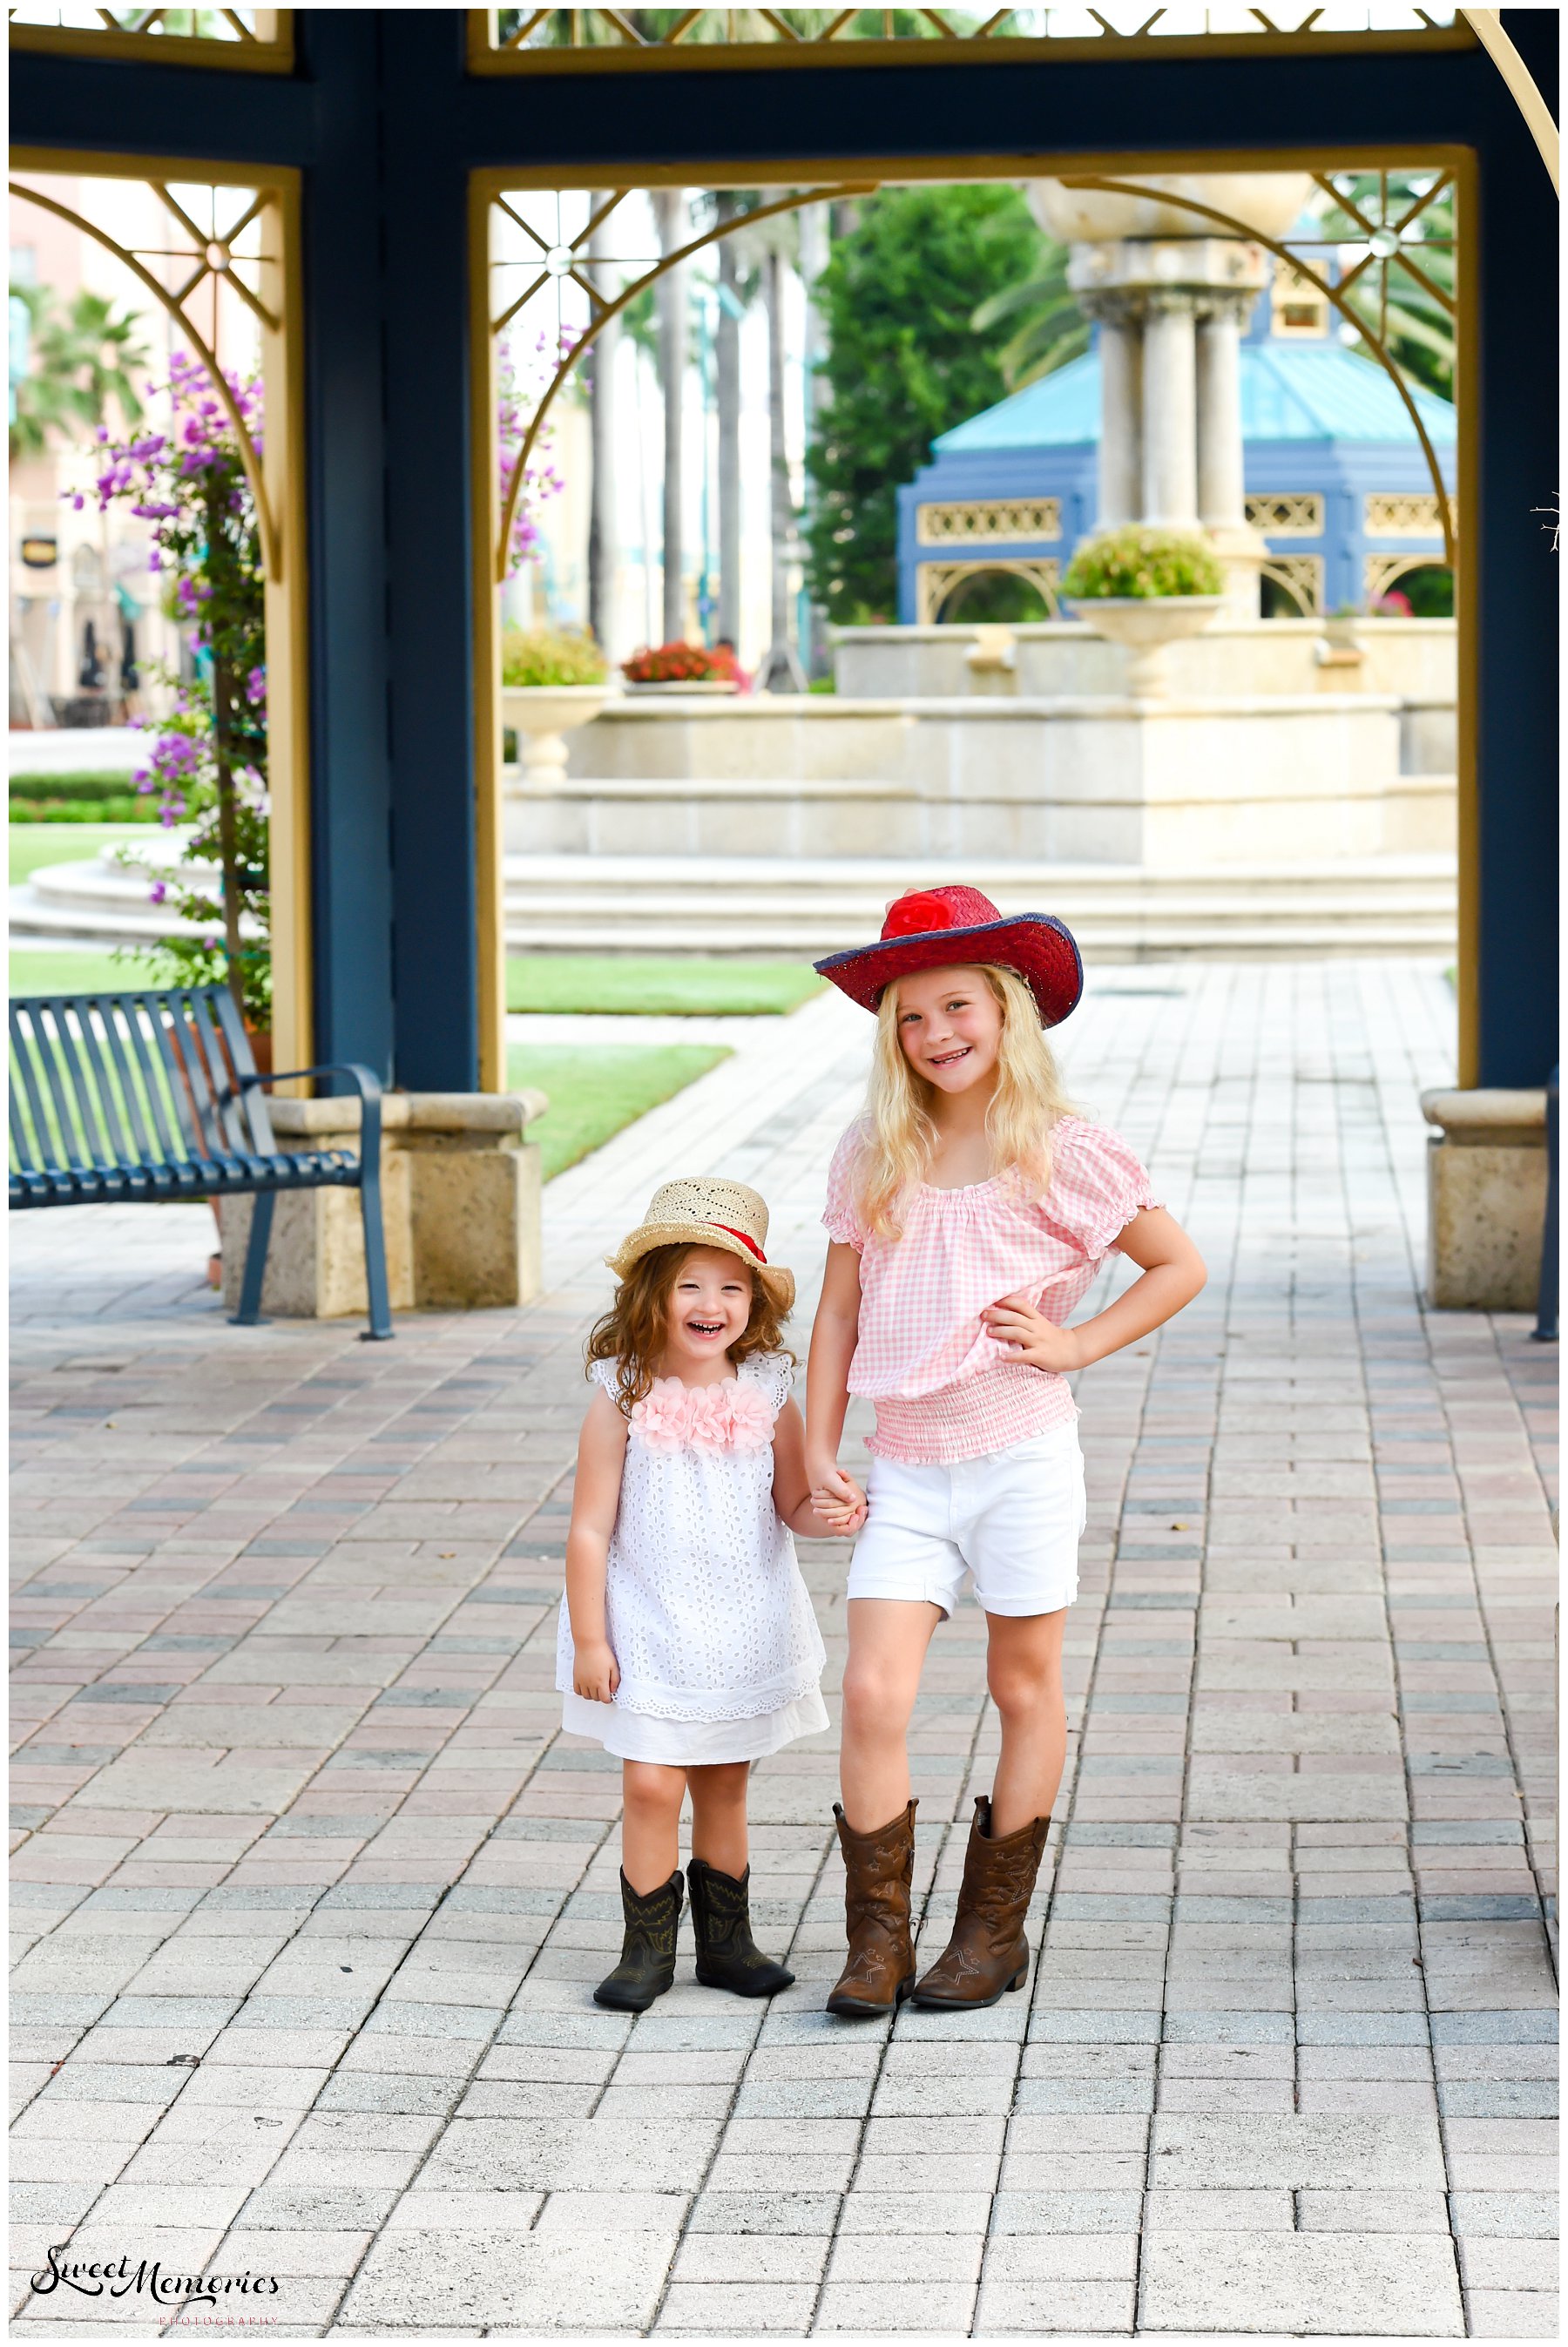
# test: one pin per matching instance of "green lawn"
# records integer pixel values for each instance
(645, 983)
(595, 1087)
(32, 844)
(36, 972)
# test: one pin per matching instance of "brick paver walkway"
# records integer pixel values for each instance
(313, 1891)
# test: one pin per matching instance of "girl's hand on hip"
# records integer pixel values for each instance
(594, 1674)
(1029, 1336)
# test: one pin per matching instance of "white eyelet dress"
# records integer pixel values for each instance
(708, 1620)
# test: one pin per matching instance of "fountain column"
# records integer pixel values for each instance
(1120, 410)
(1222, 492)
(1221, 496)
(1170, 411)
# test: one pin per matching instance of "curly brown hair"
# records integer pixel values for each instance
(632, 1332)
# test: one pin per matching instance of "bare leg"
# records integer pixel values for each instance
(719, 1815)
(1024, 1675)
(650, 1823)
(887, 1642)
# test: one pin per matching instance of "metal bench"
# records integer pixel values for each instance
(136, 1098)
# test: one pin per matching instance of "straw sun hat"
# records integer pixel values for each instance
(706, 1212)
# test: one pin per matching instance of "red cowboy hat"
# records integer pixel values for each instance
(935, 927)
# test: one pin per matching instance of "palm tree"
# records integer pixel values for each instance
(673, 220)
(775, 243)
(736, 286)
(1048, 326)
(601, 535)
(82, 361)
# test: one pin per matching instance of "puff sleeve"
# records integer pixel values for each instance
(840, 1216)
(1097, 1185)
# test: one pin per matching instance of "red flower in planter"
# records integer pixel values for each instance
(680, 663)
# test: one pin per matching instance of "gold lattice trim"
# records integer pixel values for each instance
(936, 580)
(1294, 513)
(988, 521)
(1403, 513)
(627, 34)
(242, 24)
(1301, 576)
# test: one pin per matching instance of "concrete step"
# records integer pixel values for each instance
(763, 905)
(808, 907)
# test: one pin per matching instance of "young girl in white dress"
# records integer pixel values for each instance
(687, 1645)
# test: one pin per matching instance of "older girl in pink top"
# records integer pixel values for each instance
(968, 1211)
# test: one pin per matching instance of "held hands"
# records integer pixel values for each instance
(1029, 1336)
(594, 1674)
(836, 1497)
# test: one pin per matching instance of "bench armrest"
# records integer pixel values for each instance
(366, 1082)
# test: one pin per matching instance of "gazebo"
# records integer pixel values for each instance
(375, 145)
(1335, 478)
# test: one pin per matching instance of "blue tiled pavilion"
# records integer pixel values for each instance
(1336, 478)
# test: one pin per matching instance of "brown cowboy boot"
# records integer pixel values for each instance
(879, 1871)
(987, 1952)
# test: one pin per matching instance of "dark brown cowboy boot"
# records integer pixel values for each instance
(727, 1955)
(879, 1871)
(987, 1952)
(647, 1967)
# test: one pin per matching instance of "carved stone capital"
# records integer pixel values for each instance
(1225, 308)
(1115, 306)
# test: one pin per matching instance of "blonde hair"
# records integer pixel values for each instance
(900, 1133)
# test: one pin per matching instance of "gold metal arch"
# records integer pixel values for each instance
(1331, 293)
(605, 311)
(207, 266)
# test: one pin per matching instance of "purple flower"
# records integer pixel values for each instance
(158, 892)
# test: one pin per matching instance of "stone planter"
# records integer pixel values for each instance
(685, 685)
(460, 1187)
(543, 714)
(1486, 1199)
(1145, 626)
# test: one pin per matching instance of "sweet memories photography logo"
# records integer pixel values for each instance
(146, 2278)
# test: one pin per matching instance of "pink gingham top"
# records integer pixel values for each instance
(943, 1388)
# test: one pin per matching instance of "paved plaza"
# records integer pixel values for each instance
(312, 1891)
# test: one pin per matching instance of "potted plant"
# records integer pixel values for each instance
(682, 668)
(552, 679)
(1145, 589)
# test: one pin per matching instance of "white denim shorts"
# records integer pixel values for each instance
(1011, 1518)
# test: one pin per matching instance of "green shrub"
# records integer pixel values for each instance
(123, 806)
(532, 656)
(1140, 562)
(93, 786)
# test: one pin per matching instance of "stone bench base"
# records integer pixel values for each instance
(460, 1192)
(1486, 1199)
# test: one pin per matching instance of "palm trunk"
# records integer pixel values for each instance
(780, 668)
(727, 367)
(670, 206)
(812, 220)
(602, 549)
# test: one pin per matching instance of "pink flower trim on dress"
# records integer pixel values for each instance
(729, 1417)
